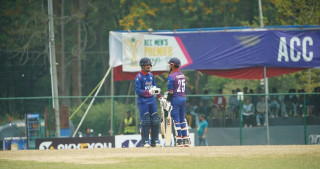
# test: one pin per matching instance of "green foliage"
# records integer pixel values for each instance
(99, 115)
(24, 41)
(215, 83)
(298, 12)
(238, 83)
(5, 119)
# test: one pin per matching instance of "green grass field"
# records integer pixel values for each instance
(255, 157)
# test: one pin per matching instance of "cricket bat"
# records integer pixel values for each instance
(168, 130)
(162, 125)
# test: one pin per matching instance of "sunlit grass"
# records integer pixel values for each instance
(275, 161)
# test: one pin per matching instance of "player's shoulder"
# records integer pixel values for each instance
(170, 77)
(181, 73)
(138, 76)
(177, 75)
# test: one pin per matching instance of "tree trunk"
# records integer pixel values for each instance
(64, 81)
(58, 8)
(102, 45)
(76, 59)
(79, 53)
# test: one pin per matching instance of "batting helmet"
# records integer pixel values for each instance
(145, 61)
(175, 61)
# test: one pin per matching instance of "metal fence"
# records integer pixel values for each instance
(224, 113)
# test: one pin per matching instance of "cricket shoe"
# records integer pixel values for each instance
(186, 142)
(179, 143)
(156, 145)
(146, 145)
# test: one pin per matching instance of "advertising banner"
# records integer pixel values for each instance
(131, 141)
(217, 50)
(158, 48)
(75, 143)
(15, 143)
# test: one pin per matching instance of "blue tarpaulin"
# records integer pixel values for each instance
(236, 52)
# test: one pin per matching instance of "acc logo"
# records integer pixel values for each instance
(248, 41)
(45, 145)
(298, 49)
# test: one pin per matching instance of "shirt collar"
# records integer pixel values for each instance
(143, 72)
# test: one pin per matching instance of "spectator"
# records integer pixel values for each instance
(188, 114)
(247, 113)
(202, 109)
(261, 111)
(194, 100)
(309, 105)
(316, 101)
(205, 98)
(233, 105)
(191, 115)
(274, 103)
(245, 90)
(301, 102)
(256, 97)
(207, 101)
(219, 105)
(110, 132)
(290, 101)
(314, 104)
(129, 124)
(253, 97)
(89, 132)
(202, 131)
(238, 114)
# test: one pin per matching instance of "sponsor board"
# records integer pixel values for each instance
(127, 141)
(131, 141)
(75, 143)
(15, 143)
(158, 48)
(211, 50)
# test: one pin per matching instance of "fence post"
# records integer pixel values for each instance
(305, 118)
(113, 129)
(240, 117)
(49, 116)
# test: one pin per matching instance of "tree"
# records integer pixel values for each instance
(299, 12)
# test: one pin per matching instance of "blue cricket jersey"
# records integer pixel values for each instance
(177, 83)
(144, 82)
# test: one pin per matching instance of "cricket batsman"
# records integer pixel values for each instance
(176, 98)
(146, 88)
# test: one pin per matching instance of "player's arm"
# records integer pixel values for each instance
(139, 91)
(170, 86)
(155, 84)
(167, 102)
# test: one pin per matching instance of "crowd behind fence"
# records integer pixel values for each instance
(220, 110)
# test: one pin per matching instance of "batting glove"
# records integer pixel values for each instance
(154, 90)
(163, 102)
(168, 106)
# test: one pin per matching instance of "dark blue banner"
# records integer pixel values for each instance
(231, 50)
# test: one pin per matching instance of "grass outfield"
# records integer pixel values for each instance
(255, 157)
